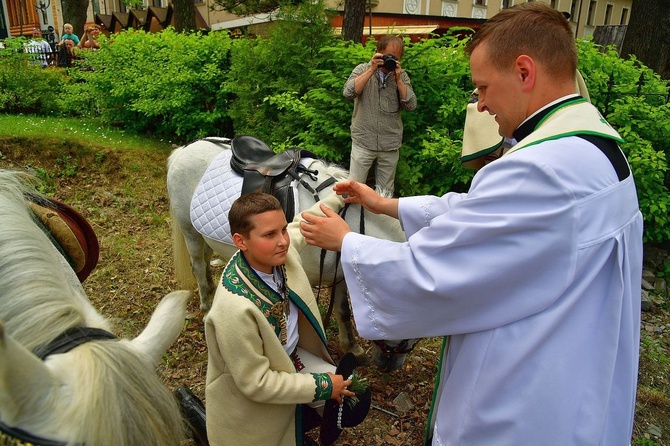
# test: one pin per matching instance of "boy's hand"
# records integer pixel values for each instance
(340, 387)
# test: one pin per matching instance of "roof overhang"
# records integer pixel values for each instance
(382, 30)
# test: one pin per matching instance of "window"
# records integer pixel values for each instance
(608, 14)
(449, 8)
(553, 3)
(480, 2)
(624, 16)
(506, 4)
(573, 10)
(591, 17)
(156, 3)
(412, 6)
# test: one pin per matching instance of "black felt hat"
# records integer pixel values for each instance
(351, 416)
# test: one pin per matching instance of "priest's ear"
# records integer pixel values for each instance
(240, 241)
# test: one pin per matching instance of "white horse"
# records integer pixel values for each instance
(103, 391)
(193, 250)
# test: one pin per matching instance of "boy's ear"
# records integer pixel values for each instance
(240, 241)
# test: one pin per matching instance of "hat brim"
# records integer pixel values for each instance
(72, 232)
(351, 416)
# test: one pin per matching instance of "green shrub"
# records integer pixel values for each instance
(639, 113)
(267, 74)
(164, 83)
(24, 86)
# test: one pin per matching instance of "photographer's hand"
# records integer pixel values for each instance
(364, 77)
(402, 88)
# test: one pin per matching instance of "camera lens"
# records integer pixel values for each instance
(389, 62)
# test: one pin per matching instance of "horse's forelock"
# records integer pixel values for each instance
(117, 389)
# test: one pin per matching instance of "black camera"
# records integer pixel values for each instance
(389, 62)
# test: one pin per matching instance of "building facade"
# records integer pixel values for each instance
(19, 17)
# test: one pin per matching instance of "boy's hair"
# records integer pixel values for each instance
(390, 40)
(68, 25)
(247, 206)
(534, 29)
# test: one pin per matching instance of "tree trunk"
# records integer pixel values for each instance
(648, 35)
(74, 13)
(184, 15)
(354, 19)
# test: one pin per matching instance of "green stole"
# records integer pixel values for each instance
(570, 118)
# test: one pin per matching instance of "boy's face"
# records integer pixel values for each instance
(68, 30)
(267, 244)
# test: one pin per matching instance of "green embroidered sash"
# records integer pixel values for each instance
(241, 279)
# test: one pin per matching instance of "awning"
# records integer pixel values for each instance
(382, 30)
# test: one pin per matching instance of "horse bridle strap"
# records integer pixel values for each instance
(338, 255)
(13, 436)
(71, 338)
(403, 347)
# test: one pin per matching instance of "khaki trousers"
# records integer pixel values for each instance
(387, 162)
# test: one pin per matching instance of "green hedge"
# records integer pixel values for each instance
(287, 90)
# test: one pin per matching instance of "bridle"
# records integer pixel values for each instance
(404, 347)
(338, 255)
(63, 343)
(13, 436)
(70, 339)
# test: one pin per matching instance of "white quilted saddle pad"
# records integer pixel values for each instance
(212, 199)
(218, 188)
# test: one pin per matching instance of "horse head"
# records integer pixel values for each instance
(64, 377)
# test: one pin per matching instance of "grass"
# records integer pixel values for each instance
(76, 130)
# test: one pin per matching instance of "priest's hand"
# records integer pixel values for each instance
(325, 232)
(354, 192)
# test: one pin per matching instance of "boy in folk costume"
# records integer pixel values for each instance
(267, 347)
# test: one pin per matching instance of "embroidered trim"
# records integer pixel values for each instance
(257, 291)
(324, 387)
(365, 291)
(426, 211)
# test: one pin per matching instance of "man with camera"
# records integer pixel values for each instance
(380, 89)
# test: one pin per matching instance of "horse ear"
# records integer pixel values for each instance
(163, 328)
(25, 381)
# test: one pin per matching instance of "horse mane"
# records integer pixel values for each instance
(114, 391)
(331, 169)
(31, 266)
(41, 298)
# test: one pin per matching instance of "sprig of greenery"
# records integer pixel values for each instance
(358, 385)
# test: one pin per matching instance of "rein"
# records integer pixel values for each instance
(338, 255)
(66, 341)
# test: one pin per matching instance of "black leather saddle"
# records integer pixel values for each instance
(269, 172)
